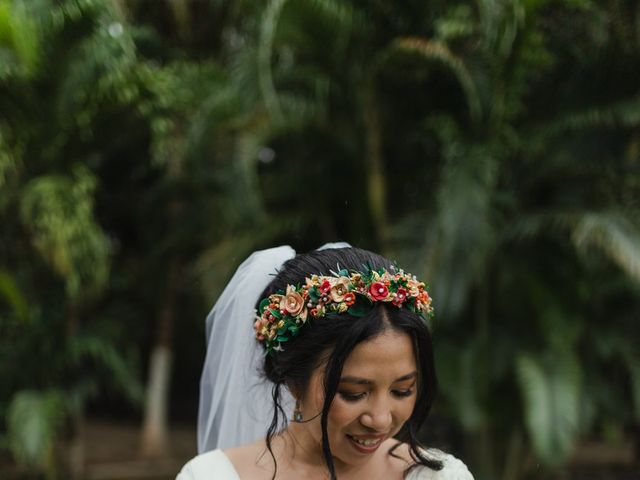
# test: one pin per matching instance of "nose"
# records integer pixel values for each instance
(378, 417)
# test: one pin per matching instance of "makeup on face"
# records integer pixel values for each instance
(376, 396)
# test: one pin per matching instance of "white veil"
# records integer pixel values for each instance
(235, 402)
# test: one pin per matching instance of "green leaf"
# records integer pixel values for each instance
(33, 421)
(12, 294)
(263, 304)
(551, 389)
(314, 293)
(361, 307)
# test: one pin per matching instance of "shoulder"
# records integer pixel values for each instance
(452, 468)
(252, 460)
(205, 465)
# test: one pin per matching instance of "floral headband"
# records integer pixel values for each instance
(281, 315)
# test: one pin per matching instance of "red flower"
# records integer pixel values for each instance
(400, 297)
(349, 298)
(314, 312)
(378, 291)
(325, 287)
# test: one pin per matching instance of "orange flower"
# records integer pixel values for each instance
(340, 289)
(292, 302)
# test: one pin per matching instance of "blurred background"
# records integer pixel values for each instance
(489, 146)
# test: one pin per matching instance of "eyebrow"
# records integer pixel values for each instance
(364, 381)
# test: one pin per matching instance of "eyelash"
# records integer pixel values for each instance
(354, 397)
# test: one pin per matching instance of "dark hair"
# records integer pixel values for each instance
(332, 342)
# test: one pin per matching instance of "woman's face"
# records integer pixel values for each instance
(376, 396)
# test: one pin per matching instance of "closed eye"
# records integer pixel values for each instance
(351, 397)
(403, 393)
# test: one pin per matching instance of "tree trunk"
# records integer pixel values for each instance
(75, 449)
(376, 186)
(155, 430)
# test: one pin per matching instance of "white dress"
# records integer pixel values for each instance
(215, 465)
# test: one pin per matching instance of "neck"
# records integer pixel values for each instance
(302, 446)
(306, 451)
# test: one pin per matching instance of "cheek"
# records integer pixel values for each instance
(343, 414)
(407, 409)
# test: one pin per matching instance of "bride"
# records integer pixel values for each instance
(343, 344)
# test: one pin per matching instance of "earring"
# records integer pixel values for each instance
(297, 413)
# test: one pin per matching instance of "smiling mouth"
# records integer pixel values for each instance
(367, 442)
(366, 445)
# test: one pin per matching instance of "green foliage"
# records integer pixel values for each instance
(12, 296)
(519, 204)
(59, 213)
(33, 420)
(491, 147)
(19, 41)
(552, 391)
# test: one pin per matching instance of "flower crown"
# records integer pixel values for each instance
(281, 315)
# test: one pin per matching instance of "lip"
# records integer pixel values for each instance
(363, 448)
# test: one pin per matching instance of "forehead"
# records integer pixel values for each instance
(389, 354)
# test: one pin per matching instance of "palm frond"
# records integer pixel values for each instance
(500, 23)
(33, 419)
(435, 51)
(614, 235)
(611, 232)
(91, 349)
(466, 233)
(265, 51)
(458, 366)
(620, 114)
(551, 391)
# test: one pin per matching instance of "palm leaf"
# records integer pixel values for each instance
(265, 51)
(621, 114)
(615, 235)
(551, 390)
(611, 232)
(435, 51)
(105, 355)
(33, 419)
(12, 294)
(460, 382)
